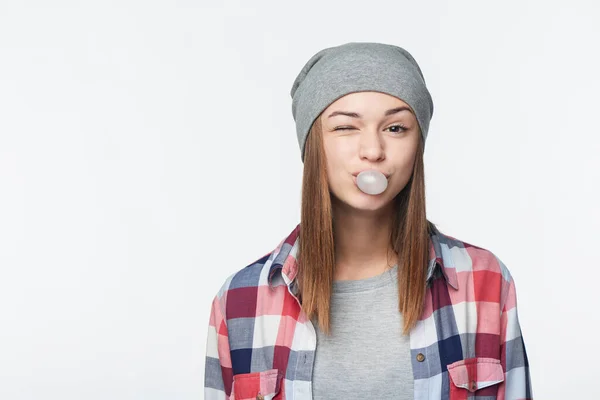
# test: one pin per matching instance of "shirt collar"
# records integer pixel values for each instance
(283, 258)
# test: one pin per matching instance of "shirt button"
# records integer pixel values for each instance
(420, 357)
(473, 385)
(260, 397)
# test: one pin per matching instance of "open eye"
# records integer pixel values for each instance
(400, 126)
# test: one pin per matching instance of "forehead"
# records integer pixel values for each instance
(366, 103)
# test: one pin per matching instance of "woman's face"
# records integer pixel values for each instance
(368, 130)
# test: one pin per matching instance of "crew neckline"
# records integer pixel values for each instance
(361, 285)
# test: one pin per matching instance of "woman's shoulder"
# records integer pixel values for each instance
(476, 273)
(247, 278)
(470, 257)
(248, 283)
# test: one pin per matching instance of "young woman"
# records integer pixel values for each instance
(366, 298)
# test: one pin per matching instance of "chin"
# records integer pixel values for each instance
(353, 197)
(363, 201)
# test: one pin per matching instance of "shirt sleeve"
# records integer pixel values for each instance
(218, 372)
(517, 380)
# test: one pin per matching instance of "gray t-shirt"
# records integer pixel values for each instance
(366, 356)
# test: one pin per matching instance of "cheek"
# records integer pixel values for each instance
(402, 178)
(334, 171)
(334, 160)
(404, 171)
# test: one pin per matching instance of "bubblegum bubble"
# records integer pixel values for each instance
(371, 181)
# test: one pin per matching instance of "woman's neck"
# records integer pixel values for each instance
(362, 243)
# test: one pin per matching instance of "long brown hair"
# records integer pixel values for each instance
(316, 252)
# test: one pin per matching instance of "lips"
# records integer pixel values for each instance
(355, 174)
(354, 178)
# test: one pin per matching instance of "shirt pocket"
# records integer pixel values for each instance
(262, 385)
(477, 374)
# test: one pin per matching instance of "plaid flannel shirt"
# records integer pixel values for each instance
(466, 345)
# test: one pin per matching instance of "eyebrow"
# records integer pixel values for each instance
(357, 115)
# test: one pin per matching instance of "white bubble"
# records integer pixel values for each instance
(371, 181)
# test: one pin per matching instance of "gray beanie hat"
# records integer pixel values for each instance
(354, 67)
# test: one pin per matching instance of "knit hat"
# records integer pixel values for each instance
(354, 67)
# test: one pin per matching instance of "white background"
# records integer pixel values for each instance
(148, 151)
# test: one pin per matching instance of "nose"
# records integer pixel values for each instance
(371, 146)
